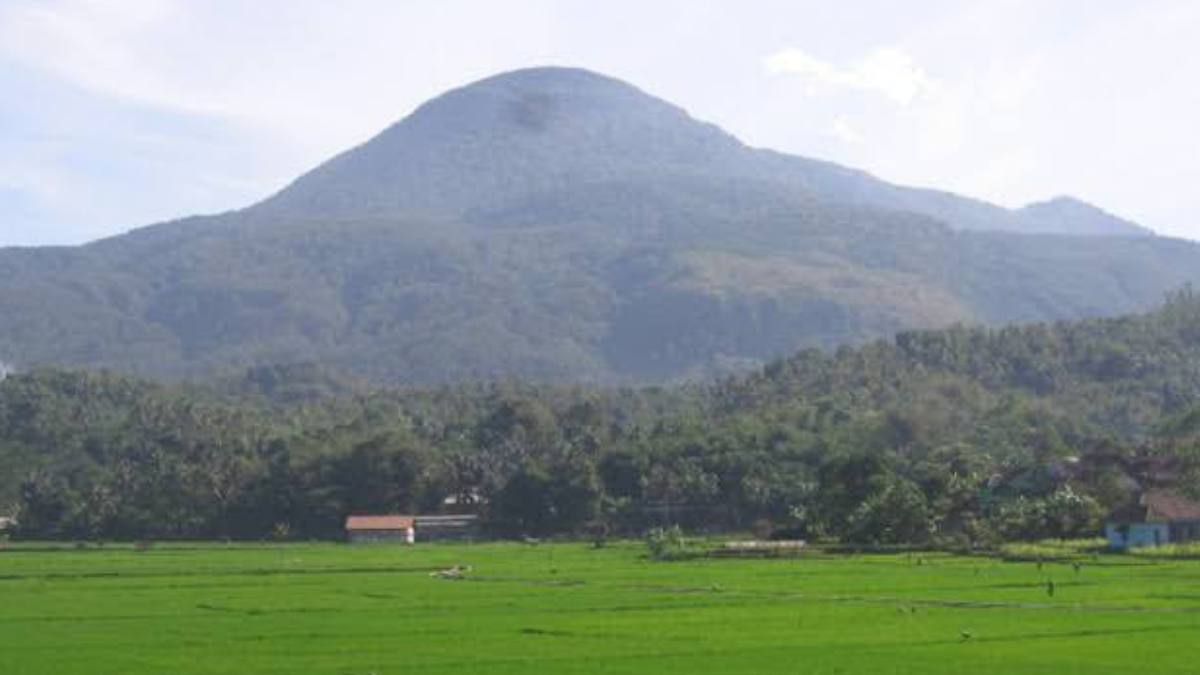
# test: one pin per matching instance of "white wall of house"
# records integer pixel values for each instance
(404, 536)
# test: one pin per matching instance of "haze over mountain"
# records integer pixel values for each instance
(557, 224)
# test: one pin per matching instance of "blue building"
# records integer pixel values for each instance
(1157, 517)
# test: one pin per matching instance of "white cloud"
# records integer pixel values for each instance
(34, 176)
(88, 44)
(321, 76)
(967, 130)
(887, 71)
(175, 57)
(844, 130)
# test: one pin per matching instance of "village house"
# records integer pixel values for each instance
(1158, 517)
(380, 529)
(401, 529)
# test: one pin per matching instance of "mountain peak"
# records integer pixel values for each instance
(508, 136)
(1067, 214)
(535, 99)
(551, 134)
(551, 76)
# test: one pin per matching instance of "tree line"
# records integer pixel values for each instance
(966, 436)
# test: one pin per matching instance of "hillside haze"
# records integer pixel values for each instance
(558, 224)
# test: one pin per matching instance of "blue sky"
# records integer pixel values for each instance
(122, 113)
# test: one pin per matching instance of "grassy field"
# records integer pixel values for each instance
(566, 608)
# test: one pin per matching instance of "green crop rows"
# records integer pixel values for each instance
(569, 608)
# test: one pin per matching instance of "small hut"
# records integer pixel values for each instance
(380, 529)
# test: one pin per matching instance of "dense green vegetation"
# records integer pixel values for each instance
(962, 437)
(572, 608)
(561, 227)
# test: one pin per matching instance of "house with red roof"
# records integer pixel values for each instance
(1157, 517)
(402, 529)
(381, 529)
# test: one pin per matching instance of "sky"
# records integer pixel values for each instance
(116, 114)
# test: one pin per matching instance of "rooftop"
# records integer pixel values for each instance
(370, 523)
(1158, 506)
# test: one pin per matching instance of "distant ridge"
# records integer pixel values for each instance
(1072, 216)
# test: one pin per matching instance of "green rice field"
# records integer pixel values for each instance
(569, 608)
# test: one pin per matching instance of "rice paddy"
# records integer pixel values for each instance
(569, 608)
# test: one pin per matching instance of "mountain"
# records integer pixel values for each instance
(530, 134)
(1071, 216)
(557, 224)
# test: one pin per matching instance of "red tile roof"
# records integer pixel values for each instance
(1157, 506)
(1162, 505)
(368, 523)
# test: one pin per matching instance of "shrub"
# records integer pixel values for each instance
(668, 544)
(1052, 549)
(1184, 551)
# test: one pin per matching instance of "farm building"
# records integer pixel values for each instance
(1158, 517)
(408, 529)
(380, 529)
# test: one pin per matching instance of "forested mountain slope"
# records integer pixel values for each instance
(559, 225)
(962, 434)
